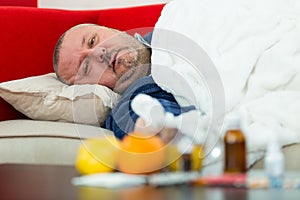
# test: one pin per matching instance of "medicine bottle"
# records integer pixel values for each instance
(235, 147)
(185, 147)
(274, 163)
(190, 155)
(189, 160)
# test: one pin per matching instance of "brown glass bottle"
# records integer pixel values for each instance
(235, 150)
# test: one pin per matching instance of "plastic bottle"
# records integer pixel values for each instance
(185, 147)
(189, 159)
(274, 164)
(190, 155)
(235, 147)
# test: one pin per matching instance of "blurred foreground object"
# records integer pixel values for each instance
(97, 155)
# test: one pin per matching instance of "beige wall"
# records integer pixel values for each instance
(94, 4)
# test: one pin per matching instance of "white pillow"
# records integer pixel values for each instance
(46, 98)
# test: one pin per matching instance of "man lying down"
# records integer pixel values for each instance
(219, 58)
(89, 54)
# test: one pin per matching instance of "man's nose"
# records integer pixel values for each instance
(99, 53)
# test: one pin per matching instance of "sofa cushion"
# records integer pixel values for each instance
(46, 98)
(132, 17)
(43, 142)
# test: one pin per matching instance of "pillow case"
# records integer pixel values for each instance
(46, 98)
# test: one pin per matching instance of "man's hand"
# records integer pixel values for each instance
(166, 134)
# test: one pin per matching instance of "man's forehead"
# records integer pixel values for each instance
(70, 52)
(73, 41)
(85, 28)
(77, 33)
(76, 36)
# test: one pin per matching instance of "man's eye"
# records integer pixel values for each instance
(86, 68)
(92, 42)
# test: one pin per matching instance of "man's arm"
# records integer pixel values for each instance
(122, 119)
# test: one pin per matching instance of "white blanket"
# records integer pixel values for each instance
(255, 48)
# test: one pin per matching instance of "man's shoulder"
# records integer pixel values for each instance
(148, 37)
(141, 84)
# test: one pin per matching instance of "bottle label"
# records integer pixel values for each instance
(235, 158)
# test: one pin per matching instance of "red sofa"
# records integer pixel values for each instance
(27, 3)
(28, 36)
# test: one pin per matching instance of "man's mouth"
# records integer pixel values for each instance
(113, 61)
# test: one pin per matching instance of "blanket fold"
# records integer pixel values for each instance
(254, 50)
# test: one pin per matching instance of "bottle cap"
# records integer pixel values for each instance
(185, 145)
(273, 146)
(233, 121)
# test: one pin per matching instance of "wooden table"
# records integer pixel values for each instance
(54, 182)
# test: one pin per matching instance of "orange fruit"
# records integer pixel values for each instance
(96, 155)
(140, 154)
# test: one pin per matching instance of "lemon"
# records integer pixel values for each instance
(96, 155)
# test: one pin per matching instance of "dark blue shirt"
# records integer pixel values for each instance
(121, 119)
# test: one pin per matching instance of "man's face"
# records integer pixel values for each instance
(93, 54)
